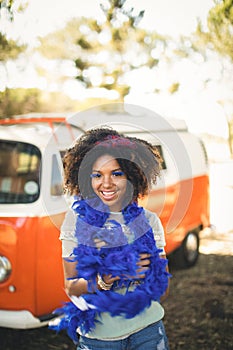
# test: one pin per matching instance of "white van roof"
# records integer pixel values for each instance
(126, 122)
(43, 128)
(40, 130)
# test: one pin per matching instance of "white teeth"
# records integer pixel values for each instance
(108, 193)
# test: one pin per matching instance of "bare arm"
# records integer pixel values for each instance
(73, 285)
(165, 295)
(78, 286)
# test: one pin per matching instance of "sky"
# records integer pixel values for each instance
(170, 17)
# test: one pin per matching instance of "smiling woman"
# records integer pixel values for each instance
(113, 250)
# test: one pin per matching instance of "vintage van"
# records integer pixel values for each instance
(32, 203)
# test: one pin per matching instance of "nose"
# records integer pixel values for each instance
(107, 181)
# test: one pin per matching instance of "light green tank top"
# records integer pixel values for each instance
(114, 328)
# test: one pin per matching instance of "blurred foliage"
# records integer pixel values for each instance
(174, 88)
(216, 39)
(9, 7)
(220, 28)
(104, 52)
(18, 101)
(22, 101)
(9, 49)
(230, 136)
(219, 37)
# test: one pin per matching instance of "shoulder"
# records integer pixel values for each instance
(153, 219)
(157, 228)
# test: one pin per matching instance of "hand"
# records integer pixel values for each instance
(99, 243)
(108, 279)
(143, 264)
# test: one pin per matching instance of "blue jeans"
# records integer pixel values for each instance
(152, 337)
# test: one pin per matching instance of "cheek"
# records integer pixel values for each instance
(94, 184)
(129, 189)
(122, 183)
(125, 186)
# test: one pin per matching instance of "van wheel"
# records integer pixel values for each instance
(187, 254)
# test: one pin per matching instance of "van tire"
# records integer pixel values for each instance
(187, 254)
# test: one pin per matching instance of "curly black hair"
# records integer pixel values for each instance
(138, 159)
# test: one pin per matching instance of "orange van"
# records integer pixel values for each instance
(32, 203)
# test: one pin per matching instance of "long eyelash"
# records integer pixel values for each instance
(115, 173)
(118, 173)
(94, 176)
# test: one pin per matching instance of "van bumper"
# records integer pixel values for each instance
(22, 319)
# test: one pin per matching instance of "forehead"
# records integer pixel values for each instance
(105, 162)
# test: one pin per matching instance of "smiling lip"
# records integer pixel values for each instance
(108, 195)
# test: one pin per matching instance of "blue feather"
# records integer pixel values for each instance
(116, 258)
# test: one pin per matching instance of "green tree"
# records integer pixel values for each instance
(215, 41)
(9, 7)
(18, 101)
(104, 52)
(22, 101)
(219, 36)
(220, 28)
(9, 49)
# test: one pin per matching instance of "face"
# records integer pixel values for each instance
(109, 182)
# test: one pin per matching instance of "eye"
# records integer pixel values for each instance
(118, 173)
(95, 176)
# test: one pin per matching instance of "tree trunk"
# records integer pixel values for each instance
(230, 136)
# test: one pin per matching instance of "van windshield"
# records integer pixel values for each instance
(19, 172)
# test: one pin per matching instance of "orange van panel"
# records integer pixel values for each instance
(181, 208)
(49, 272)
(17, 243)
(34, 250)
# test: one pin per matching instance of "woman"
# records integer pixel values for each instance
(113, 250)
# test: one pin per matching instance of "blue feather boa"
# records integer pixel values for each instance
(118, 258)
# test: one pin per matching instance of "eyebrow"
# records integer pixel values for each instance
(99, 171)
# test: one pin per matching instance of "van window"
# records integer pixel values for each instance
(56, 178)
(163, 164)
(19, 172)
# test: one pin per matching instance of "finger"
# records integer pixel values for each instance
(110, 279)
(144, 256)
(142, 269)
(144, 262)
(99, 243)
